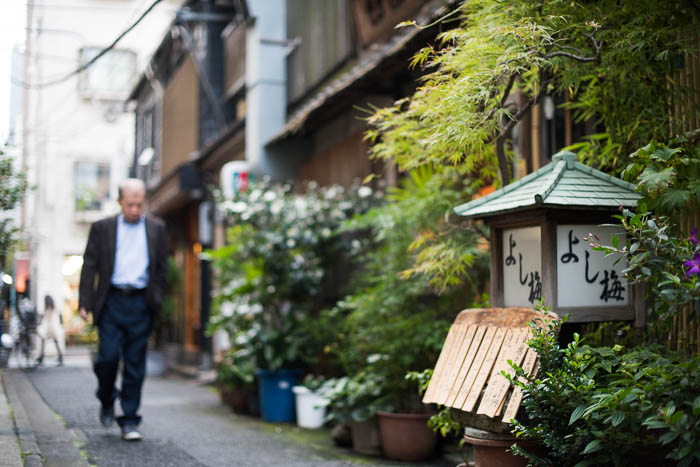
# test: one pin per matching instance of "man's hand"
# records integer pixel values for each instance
(83, 313)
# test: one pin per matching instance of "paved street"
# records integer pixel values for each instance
(184, 424)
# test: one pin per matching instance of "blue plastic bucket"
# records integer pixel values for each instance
(276, 396)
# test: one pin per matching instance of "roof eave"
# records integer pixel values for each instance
(550, 206)
(502, 191)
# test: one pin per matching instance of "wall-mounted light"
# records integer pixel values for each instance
(7, 279)
(146, 156)
(548, 107)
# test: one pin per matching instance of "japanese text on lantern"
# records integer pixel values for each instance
(586, 277)
(522, 266)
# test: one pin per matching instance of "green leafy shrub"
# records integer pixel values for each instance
(403, 303)
(357, 398)
(281, 265)
(608, 406)
(667, 177)
(236, 369)
(657, 255)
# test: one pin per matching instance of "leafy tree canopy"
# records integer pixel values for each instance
(613, 58)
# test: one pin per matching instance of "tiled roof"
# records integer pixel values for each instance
(564, 183)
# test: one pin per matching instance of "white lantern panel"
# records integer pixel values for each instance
(586, 277)
(522, 266)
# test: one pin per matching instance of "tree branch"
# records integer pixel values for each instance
(521, 113)
(508, 88)
(516, 118)
(503, 165)
(597, 45)
(504, 98)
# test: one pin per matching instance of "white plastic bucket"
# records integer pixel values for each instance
(311, 408)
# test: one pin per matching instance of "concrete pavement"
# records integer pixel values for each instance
(9, 441)
(42, 437)
(184, 425)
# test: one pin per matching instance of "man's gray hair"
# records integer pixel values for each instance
(131, 184)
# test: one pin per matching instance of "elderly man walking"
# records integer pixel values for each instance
(122, 284)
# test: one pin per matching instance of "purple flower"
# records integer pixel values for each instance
(694, 238)
(694, 265)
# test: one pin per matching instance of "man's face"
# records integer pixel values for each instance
(133, 203)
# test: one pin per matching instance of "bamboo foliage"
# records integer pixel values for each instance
(686, 81)
(685, 331)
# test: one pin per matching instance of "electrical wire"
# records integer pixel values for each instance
(87, 64)
(106, 6)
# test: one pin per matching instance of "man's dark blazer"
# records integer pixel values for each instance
(98, 264)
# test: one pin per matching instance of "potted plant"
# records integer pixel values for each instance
(395, 321)
(311, 400)
(408, 344)
(275, 274)
(608, 405)
(355, 401)
(235, 380)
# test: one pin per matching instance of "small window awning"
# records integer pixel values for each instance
(562, 184)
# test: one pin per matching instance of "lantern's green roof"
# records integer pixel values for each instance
(564, 183)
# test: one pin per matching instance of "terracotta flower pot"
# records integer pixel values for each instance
(365, 437)
(406, 437)
(238, 400)
(491, 449)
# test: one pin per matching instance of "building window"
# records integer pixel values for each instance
(110, 77)
(147, 158)
(91, 186)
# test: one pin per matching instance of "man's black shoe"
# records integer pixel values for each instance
(107, 416)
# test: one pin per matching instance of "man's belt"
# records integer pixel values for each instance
(127, 290)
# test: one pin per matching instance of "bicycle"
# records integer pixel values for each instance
(26, 348)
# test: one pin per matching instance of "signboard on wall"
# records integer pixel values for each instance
(586, 277)
(522, 266)
(234, 178)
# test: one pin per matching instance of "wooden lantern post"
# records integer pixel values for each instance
(538, 225)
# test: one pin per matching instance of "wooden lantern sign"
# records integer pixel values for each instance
(538, 225)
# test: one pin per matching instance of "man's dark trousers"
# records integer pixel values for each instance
(124, 326)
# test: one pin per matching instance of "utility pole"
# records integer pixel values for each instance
(25, 102)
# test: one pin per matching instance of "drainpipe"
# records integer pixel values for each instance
(266, 85)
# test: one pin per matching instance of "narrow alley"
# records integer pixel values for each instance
(184, 425)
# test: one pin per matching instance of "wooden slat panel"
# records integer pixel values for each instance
(517, 396)
(452, 366)
(462, 360)
(438, 372)
(497, 387)
(500, 406)
(485, 370)
(477, 349)
(481, 351)
(461, 378)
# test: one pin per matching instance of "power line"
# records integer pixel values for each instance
(87, 64)
(64, 6)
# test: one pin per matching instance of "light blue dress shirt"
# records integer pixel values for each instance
(131, 255)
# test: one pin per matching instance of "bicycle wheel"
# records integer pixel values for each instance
(27, 351)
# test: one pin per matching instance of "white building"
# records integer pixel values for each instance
(77, 137)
